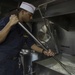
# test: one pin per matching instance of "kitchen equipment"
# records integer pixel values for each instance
(44, 47)
(50, 66)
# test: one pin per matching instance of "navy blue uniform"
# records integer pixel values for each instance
(11, 47)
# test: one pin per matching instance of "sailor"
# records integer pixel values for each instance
(12, 39)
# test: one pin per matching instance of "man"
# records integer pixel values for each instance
(12, 39)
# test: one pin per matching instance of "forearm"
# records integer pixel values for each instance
(36, 48)
(4, 32)
(40, 50)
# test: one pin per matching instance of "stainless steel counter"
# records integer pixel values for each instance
(50, 66)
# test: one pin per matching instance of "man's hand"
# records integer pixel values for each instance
(40, 50)
(13, 20)
(48, 53)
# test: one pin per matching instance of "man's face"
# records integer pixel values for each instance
(26, 16)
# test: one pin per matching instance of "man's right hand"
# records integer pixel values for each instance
(13, 20)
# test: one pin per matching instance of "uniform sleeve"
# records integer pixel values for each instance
(30, 41)
(3, 22)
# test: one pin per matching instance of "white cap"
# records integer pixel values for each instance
(28, 7)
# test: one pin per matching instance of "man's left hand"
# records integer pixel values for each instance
(49, 53)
